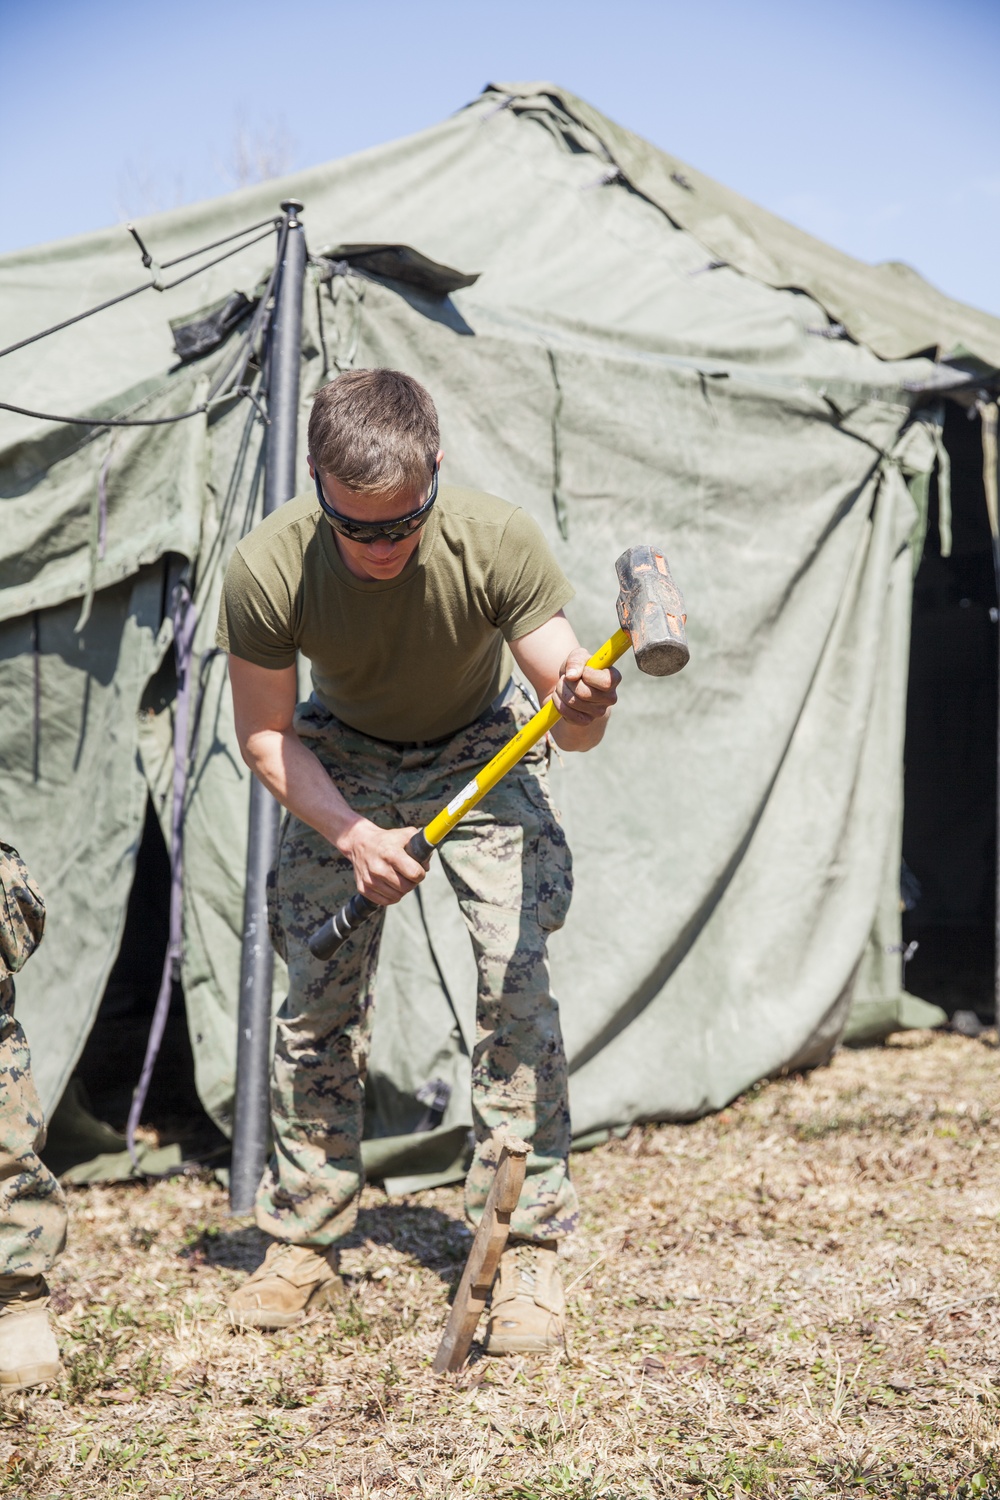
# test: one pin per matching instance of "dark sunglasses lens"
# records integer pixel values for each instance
(368, 531)
(360, 531)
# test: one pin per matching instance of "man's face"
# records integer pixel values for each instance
(382, 558)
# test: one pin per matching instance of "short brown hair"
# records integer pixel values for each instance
(374, 430)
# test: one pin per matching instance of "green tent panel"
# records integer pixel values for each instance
(630, 352)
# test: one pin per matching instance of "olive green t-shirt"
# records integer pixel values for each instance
(412, 658)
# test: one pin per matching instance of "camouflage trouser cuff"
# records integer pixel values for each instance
(14, 1289)
(32, 1206)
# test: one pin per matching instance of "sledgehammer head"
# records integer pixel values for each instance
(651, 610)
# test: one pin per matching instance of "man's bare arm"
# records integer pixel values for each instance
(555, 664)
(264, 706)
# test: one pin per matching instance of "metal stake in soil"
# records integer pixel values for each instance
(253, 1044)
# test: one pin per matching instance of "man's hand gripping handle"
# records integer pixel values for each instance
(336, 929)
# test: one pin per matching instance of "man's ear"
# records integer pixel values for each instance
(440, 457)
(312, 468)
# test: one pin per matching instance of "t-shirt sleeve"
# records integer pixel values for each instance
(529, 586)
(250, 625)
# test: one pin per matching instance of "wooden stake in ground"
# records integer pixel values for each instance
(484, 1257)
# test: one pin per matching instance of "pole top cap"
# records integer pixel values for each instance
(292, 207)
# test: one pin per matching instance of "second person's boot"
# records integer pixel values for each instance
(29, 1354)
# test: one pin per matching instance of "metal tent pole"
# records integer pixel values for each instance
(253, 1045)
(996, 884)
(989, 418)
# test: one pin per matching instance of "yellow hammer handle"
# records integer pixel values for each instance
(497, 768)
(335, 931)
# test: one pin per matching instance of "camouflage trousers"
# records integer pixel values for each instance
(509, 866)
(32, 1206)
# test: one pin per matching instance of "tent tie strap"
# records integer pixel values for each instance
(36, 696)
(988, 417)
(185, 616)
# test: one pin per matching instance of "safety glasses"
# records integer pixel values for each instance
(370, 531)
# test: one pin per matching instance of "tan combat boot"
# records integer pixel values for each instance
(294, 1280)
(29, 1354)
(526, 1309)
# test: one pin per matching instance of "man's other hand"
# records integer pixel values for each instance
(383, 870)
(584, 694)
(555, 664)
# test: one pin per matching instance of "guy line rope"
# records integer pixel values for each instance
(234, 387)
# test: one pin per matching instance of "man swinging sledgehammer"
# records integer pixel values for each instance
(413, 605)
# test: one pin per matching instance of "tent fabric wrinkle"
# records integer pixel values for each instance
(594, 371)
(888, 307)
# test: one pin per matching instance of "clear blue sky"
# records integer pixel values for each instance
(873, 125)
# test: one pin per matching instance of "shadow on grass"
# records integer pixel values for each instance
(425, 1235)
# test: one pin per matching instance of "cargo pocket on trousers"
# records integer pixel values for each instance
(553, 861)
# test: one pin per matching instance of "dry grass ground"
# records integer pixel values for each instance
(795, 1297)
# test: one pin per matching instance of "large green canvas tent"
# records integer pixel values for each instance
(632, 353)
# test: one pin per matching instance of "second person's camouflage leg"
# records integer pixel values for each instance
(32, 1205)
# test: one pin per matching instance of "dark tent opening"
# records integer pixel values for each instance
(100, 1090)
(950, 787)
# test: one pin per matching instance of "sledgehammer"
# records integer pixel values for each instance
(652, 617)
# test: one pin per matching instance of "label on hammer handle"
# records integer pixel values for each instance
(465, 795)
